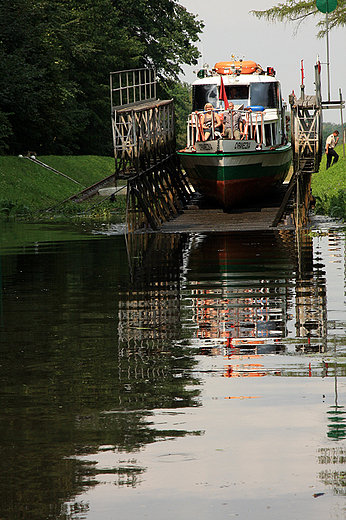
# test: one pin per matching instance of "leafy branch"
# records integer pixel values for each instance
(298, 11)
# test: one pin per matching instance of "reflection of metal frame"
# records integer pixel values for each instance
(336, 432)
(311, 298)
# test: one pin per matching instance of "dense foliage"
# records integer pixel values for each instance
(182, 95)
(298, 10)
(329, 128)
(55, 60)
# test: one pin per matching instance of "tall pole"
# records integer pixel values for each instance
(327, 35)
(327, 6)
(342, 122)
(302, 83)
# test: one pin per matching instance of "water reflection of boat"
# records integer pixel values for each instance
(240, 290)
(243, 290)
(336, 413)
(337, 424)
(237, 169)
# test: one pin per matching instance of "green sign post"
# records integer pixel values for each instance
(327, 6)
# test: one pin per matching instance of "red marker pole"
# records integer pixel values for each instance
(302, 87)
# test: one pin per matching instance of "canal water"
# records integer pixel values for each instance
(172, 376)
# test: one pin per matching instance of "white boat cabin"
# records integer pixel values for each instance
(257, 96)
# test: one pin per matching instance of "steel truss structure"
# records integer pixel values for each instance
(306, 137)
(145, 149)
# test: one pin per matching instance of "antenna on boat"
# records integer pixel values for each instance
(236, 60)
(202, 72)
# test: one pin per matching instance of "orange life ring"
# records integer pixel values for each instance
(245, 67)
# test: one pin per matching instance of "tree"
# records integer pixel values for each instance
(298, 10)
(329, 128)
(182, 95)
(37, 94)
(166, 31)
(5, 133)
(55, 60)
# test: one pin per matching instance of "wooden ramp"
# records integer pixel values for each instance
(200, 216)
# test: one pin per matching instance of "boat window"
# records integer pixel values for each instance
(264, 94)
(238, 94)
(202, 94)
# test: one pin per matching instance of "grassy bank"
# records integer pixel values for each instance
(27, 190)
(329, 188)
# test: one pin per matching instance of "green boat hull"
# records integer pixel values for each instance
(233, 179)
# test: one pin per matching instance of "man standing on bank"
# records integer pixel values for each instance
(331, 142)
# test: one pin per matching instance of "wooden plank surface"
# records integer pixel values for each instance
(201, 216)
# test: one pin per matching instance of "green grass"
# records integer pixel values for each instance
(27, 190)
(329, 188)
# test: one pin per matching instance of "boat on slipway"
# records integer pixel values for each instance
(229, 170)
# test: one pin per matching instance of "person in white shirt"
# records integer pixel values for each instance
(331, 142)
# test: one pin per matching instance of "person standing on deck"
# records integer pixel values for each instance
(331, 142)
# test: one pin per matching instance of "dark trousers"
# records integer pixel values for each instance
(331, 153)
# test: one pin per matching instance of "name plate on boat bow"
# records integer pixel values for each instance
(205, 146)
(242, 145)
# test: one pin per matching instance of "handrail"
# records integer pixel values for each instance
(251, 121)
(130, 87)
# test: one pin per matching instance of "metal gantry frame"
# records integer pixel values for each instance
(145, 149)
(306, 128)
(306, 138)
(129, 87)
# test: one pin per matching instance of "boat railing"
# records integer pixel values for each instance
(253, 126)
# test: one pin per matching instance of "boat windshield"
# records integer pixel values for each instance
(265, 94)
(202, 94)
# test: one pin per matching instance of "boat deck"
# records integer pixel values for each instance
(201, 216)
